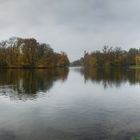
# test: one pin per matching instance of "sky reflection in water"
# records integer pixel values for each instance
(77, 104)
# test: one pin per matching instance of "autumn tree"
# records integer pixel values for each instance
(28, 53)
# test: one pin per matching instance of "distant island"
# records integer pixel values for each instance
(110, 57)
(28, 53)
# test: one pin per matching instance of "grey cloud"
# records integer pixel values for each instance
(73, 25)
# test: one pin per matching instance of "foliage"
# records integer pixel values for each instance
(28, 53)
(110, 57)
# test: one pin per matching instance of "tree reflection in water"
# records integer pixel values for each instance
(111, 76)
(25, 84)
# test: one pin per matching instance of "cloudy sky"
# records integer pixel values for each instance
(73, 25)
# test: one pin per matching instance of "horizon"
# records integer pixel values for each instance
(67, 53)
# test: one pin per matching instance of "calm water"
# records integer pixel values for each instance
(74, 104)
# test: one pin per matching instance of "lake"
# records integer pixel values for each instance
(70, 104)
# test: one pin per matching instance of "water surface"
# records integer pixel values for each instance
(74, 104)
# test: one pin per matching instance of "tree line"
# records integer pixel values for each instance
(28, 53)
(109, 57)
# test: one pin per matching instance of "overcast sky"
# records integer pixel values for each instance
(73, 25)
